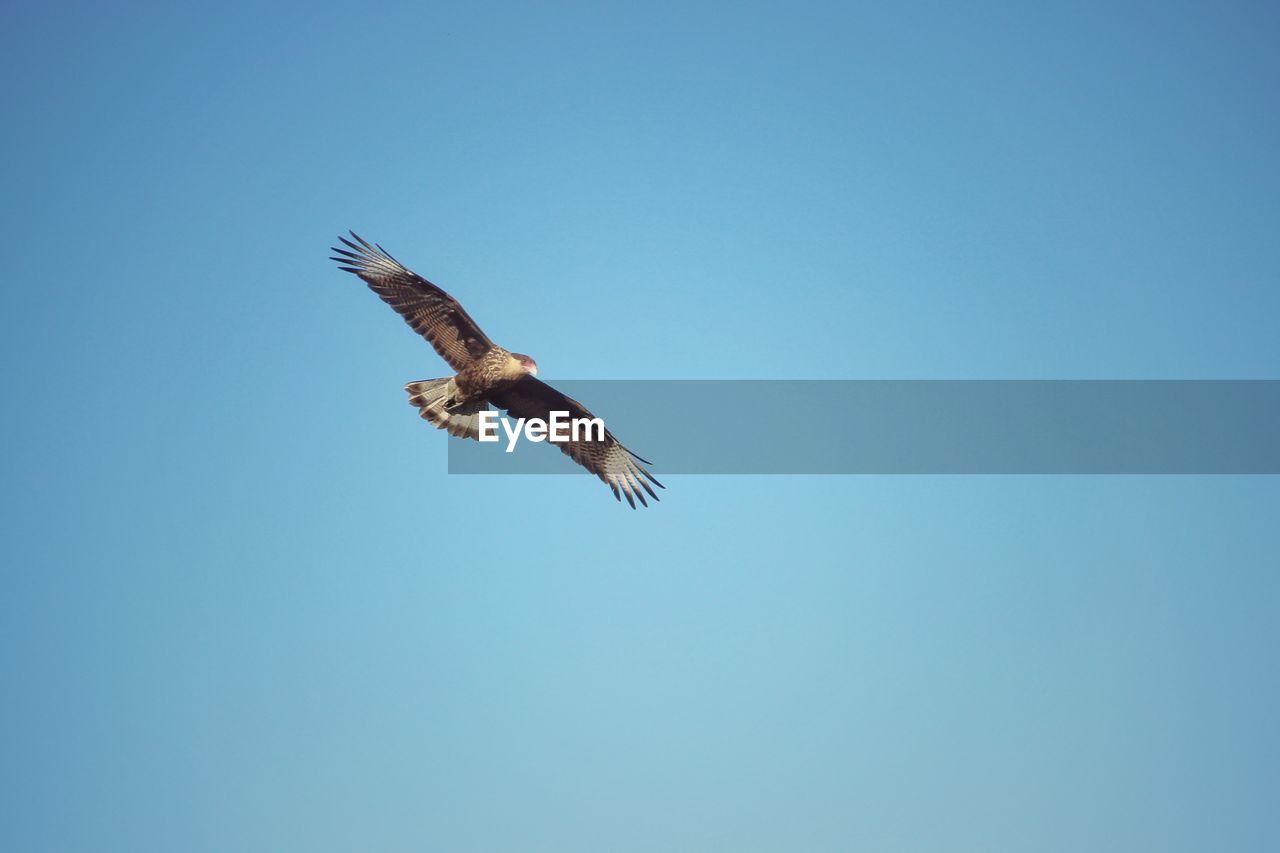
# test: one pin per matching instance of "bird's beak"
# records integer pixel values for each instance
(533, 370)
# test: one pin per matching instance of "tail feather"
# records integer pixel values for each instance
(432, 397)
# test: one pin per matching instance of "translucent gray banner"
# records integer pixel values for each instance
(918, 427)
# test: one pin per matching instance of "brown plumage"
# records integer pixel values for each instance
(486, 373)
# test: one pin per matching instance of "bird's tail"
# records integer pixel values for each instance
(433, 397)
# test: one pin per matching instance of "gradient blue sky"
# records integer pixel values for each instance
(244, 608)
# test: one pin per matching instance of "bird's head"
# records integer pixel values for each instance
(527, 364)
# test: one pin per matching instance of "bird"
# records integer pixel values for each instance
(485, 372)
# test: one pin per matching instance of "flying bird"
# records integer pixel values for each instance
(486, 373)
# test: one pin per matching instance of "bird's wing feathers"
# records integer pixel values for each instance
(609, 460)
(431, 312)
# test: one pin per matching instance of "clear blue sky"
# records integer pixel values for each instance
(244, 608)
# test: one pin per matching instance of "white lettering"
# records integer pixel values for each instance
(512, 434)
(589, 424)
(559, 427)
(488, 425)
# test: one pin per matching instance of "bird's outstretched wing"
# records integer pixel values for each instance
(609, 460)
(431, 312)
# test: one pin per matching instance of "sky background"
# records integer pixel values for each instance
(245, 608)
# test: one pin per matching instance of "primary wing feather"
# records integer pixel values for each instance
(609, 460)
(431, 312)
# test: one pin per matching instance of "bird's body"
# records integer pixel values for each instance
(495, 368)
(486, 373)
